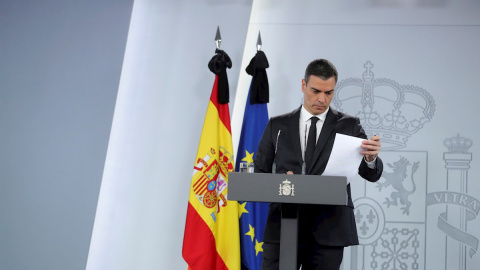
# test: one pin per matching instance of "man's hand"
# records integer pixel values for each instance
(371, 148)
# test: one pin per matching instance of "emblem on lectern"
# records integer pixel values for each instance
(286, 188)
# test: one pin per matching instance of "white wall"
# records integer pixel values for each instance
(163, 96)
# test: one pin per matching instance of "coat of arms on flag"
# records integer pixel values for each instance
(209, 177)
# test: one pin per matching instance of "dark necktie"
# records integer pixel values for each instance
(311, 142)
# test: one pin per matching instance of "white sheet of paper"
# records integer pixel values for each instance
(345, 157)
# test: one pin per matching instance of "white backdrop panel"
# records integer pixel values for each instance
(427, 45)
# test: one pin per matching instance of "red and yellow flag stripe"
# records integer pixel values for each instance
(211, 239)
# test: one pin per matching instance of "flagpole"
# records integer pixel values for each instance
(211, 238)
(253, 215)
(243, 86)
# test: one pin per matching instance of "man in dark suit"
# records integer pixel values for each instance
(324, 230)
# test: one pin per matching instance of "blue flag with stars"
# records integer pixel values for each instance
(252, 215)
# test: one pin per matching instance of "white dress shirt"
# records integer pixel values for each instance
(304, 127)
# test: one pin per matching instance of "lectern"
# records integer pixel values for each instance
(290, 190)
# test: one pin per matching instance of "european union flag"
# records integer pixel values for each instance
(253, 215)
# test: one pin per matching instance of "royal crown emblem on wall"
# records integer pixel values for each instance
(458, 144)
(385, 107)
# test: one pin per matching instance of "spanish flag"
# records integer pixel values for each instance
(211, 239)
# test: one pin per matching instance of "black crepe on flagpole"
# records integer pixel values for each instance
(218, 65)
(259, 91)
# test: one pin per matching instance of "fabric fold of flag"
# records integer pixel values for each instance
(211, 239)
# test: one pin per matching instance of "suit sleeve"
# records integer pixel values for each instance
(372, 175)
(265, 155)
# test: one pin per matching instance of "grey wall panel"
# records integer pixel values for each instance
(60, 64)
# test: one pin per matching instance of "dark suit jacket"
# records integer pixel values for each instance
(280, 143)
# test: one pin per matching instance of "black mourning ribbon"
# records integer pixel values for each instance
(218, 65)
(259, 92)
(311, 142)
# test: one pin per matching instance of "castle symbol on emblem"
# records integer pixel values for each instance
(286, 188)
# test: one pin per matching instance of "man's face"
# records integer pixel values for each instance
(317, 94)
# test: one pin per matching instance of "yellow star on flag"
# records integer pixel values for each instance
(252, 234)
(242, 209)
(248, 157)
(258, 247)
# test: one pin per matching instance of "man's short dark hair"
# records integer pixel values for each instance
(321, 68)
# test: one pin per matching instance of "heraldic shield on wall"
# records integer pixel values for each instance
(393, 222)
(391, 213)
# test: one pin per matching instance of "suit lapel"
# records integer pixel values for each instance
(327, 128)
(293, 125)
